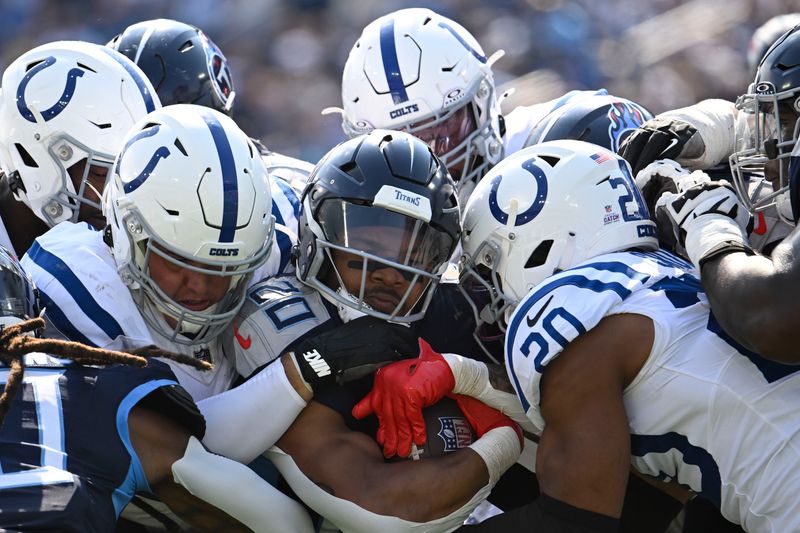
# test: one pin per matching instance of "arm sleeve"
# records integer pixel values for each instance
(715, 121)
(245, 421)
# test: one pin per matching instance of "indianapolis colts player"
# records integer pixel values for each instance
(64, 108)
(613, 352)
(418, 71)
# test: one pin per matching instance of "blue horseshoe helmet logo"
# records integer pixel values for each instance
(61, 103)
(538, 202)
(161, 153)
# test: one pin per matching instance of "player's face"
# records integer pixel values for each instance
(95, 183)
(447, 135)
(196, 291)
(788, 130)
(384, 286)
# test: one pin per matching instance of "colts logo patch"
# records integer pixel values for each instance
(63, 100)
(538, 202)
(625, 118)
(455, 432)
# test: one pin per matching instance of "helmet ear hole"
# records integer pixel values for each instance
(25, 156)
(539, 256)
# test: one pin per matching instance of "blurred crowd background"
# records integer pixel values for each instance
(286, 57)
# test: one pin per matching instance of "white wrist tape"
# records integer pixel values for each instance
(237, 490)
(708, 232)
(237, 425)
(472, 379)
(499, 448)
(714, 121)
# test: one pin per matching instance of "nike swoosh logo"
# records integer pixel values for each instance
(671, 144)
(243, 342)
(532, 321)
(761, 224)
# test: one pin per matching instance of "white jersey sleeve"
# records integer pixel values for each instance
(702, 410)
(286, 208)
(569, 304)
(83, 296)
(277, 312)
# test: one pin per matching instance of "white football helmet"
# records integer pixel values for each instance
(417, 71)
(62, 103)
(544, 209)
(190, 187)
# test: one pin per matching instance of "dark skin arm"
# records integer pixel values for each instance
(584, 452)
(756, 299)
(159, 442)
(350, 465)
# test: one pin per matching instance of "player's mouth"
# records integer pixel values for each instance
(382, 301)
(195, 305)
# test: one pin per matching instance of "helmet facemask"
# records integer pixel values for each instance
(196, 326)
(402, 256)
(84, 198)
(767, 128)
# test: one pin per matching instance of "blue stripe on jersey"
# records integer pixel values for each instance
(58, 319)
(391, 66)
(710, 480)
(682, 291)
(54, 266)
(290, 194)
(284, 241)
(230, 182)
(576, 280)
(135, 481)
(771, 370)
(465, 44)
(149, 103)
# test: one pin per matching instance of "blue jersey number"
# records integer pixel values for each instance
(632, 196)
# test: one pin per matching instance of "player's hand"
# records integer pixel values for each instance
(663, 176)
(661, 138)
(399, 393)
(353, 350)
(677, 212)
(483, 418)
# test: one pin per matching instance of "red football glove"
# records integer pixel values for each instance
(483, 418)
(399, 393)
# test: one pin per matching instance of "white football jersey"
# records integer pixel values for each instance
(286, 208)
(277, 312)
(86, 301)
(703, 411)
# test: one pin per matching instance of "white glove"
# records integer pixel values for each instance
(704, 218)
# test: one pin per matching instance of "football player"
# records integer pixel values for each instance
(186, 67)
(78, 441)
(418, 71)
(612, 351)
(708, 220)
(380, 221)
(64, 108)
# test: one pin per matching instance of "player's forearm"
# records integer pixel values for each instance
(756, 302)
(245, 421)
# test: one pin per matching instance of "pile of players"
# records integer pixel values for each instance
(503, 302)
